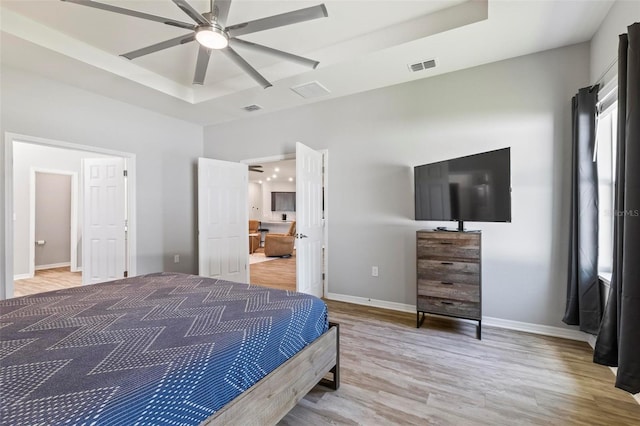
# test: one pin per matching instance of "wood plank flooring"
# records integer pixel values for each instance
(393, 373)
(47, 280)
(279, 273)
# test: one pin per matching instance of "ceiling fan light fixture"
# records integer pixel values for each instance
(212, 37)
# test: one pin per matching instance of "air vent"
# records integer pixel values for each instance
(421, 66)
(251, 108)
(311, 90)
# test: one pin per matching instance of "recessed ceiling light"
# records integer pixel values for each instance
(274, 176)
(268, 179)
(260, 182)
(290, 179)
(277, 169)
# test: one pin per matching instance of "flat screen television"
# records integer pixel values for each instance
(283, 201)
(475, 188)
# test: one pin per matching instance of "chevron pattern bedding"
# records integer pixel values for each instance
(151, 350)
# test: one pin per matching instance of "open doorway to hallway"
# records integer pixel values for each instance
(39, 257)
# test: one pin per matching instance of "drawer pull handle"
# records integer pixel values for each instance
(446, 282)
(446, 243)
(446, 263)
(444, 302)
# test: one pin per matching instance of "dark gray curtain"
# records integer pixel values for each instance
(583, 290)
(618, 343)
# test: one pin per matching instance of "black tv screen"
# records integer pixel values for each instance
(283, 201)
(475, 188)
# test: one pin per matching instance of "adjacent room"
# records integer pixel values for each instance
(340, 212)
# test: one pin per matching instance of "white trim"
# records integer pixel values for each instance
(22, 277)
(73, 234)
(395, 306)
(52, 265)
(6, 287)
(545, 330)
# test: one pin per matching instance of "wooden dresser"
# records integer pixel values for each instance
(449, 275)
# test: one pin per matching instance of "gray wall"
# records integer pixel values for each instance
(166, 150)
(53, 219)
(375, 138)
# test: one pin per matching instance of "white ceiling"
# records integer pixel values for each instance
(362, 45)
(283, 170)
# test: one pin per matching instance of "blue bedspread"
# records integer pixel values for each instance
(157, 349)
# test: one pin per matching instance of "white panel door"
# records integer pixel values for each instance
(223, 224)
(103, 236)
(309, 221)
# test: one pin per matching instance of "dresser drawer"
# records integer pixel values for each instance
(455, 308)
(457, 272)
(449, 246)
(449, 290)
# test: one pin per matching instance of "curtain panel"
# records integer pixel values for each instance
(618, 342)
(583, 289)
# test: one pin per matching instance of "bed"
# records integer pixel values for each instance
(162, 348)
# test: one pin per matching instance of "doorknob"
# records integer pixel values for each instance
(301, 236)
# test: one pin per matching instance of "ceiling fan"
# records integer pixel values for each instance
(212, 33)
(256, 168)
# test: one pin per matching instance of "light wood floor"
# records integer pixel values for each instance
(279, 273)
(47, 280)
(395, 374)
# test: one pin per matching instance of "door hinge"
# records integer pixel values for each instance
(124, 172)
(323, 276)
(126, 274)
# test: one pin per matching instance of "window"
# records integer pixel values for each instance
(606, 139)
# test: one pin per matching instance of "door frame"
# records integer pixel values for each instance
(73, 237)
(325, 182)
(6, 287)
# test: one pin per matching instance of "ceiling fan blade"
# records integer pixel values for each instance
(160, 46)
(275, 52)
(233, 55)
(134, 13)
(194, 14)
(201, 65)
(221, 10)
(288, 18)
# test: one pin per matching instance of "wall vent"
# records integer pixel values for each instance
(311, 90)
(251, 108)
(421, 66)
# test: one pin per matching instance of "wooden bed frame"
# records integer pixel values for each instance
(269, 400)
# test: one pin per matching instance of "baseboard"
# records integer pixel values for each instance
(53, 265)
(22, 277)
(489, 321)
(394, 306)
(545, 330)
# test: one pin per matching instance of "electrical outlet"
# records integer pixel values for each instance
(374, 271)
(176, 258)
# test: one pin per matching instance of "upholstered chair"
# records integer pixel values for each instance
(280, 244)
(254, 240)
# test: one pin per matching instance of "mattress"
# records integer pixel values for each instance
(156, 349)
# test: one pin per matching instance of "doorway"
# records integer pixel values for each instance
(53, 224)
(278, 174)
(42, 154)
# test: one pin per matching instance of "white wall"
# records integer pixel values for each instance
(255, 201)
(166, 150)
(375, 138)
(604, 44)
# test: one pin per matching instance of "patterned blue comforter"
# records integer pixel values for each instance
(157, 349)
